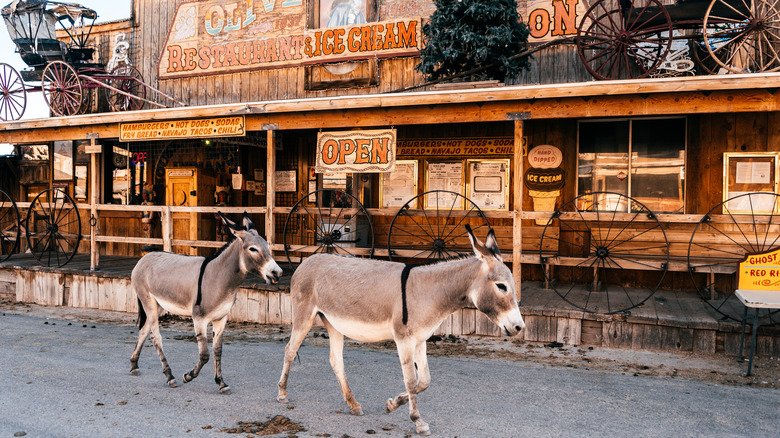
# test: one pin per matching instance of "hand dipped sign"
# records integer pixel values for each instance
(356, 151)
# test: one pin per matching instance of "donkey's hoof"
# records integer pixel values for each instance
(135, 372)
(423, 429)
(356, 411)
(390, 406)
(187, 378)
(282, 398)
(225, 390)
(172, 383)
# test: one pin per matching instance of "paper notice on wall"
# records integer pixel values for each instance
(753, 173)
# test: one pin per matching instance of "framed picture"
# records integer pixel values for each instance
(285, 180)
(448, 176)
(488, 183)
(335, 13)
(750, 173)
(398, 187)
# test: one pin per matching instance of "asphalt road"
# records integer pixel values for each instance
(66, 378)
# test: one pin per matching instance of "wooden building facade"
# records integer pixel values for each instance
(663, 151)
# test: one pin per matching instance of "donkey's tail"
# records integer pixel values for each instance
(141, 315)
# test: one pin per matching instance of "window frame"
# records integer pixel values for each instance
(631, 121)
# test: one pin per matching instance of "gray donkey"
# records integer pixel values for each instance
(200, 287)
(373, 300)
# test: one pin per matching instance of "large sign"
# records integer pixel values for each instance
(356, 151)
(226, 36)
(194, 128)
(552, 19)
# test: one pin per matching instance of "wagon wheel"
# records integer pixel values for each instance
(624, 39)
(601, 241)
(9, 226)
(436, 231)
(62, 88)
(129, 80)
(722, 239)
(335, 223)
(743, 36)
(53, 227)
(13, 95)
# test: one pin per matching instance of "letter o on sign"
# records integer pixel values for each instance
(330, 152)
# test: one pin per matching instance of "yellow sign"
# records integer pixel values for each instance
(356, 151)
(760, 271)
(457, 146)
(196, 128)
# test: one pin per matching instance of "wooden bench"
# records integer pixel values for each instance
(758, 288)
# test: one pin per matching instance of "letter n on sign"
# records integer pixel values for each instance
(356, 151)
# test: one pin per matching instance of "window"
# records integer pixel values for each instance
(643, 159)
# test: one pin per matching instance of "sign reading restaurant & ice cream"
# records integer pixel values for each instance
(226, 36)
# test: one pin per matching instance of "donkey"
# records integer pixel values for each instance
(175, 283)
(372, 300)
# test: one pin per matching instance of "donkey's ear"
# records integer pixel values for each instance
(480, 250)
(492, 244)
(230, 224)
(247, 222)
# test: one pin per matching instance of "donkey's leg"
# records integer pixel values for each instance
(219, 329)
(201, 334)
(302, 322)
(406, 351)
(423, 378)
(157, 341)
(143, 333)
(337, 363)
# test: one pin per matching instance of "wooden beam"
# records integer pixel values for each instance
(517, 222)
(270, 195)
(94, 248)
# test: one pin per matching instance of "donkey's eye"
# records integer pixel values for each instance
(501, 286)
(253, 249)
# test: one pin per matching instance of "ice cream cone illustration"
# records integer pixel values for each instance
(544, 187)
(544, 201)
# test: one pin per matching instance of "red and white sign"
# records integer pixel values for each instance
(545, 157)
(356, 151)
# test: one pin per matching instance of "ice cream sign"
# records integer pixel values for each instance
(545, 178)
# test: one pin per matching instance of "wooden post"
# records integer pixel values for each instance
(517, 218)
(167, 228)
(94, 250)
(270, 187)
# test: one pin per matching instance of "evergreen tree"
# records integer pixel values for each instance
(466, 34)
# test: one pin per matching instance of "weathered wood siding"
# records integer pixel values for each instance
(153, 20)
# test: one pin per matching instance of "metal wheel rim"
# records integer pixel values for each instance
(609, 47)
(755, 29)
(62, 88)
(9, 226)
(120, 102)
(13, 95)
(603, 254)
(436, 241)
(749, 238)
(339, 225)
(47, 237)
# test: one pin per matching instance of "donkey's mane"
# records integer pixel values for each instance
(206, 262)
(454, 258)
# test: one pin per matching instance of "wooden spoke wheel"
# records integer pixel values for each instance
(610, 253)
(624, 40)
(327, 221)
(53, 228)
(9, 226)
(13, 95)
(743, 36)
(127, 79)
(722, 239)
(62, 88)
(431, 226)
